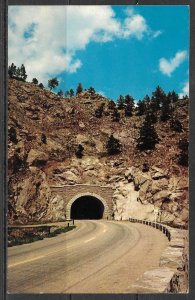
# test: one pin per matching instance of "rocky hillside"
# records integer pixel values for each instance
(44, 133)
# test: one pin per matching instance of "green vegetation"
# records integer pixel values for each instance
(79, 88)
(41, 85)
(183, 155)
(176, 125)
(121, 102)
(91, 90)
(113, 145)
(60, 93)
(71, 92)
(148, 137)
(61, 230)
(52, 83)
(116, 115)
(35, 81)
(33, 237)
(79, 151)
(99, 111)
(15, 72)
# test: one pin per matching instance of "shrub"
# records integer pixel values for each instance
(99, 111)
(79, 151)
(91, 90)
(176, 125)
(183, 155)
(60, 93)
(12, 135)
(111, 104)
(115, 115)
(113, 145)
(41, 85)
(35, 81)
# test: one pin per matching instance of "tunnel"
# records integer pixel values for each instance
(87, 207)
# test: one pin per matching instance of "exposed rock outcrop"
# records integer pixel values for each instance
(44, 132)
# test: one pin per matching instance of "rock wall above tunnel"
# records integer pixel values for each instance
(68, 194)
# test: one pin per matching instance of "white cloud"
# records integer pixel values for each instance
(185, 90)
(46, 38)
(168, 66)
(156, 33)
(135, 25)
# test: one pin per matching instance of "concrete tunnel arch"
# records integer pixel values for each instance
(75, 199)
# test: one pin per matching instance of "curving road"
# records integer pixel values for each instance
(97, 257)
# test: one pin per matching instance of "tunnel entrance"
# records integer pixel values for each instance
(87, 207)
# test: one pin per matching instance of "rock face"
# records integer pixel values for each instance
(44, 133)
(29, 196)
(150, 195)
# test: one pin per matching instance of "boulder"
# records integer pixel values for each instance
(36, 157)
(82, 139)
(161, 195)
(70, 176)
(157, 280)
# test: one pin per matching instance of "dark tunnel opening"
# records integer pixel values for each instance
(87, 207)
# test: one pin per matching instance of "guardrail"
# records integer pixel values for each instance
(158, 226)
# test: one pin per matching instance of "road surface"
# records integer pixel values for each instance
(96, 257)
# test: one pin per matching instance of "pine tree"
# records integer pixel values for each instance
(147, 102)
(153, 105)
(12, 71)
(121, 102)
(183, 155)
(129, 101)
(79, 88)
(23, 73)
(165, 110)
(18, 73)
(60, 93)
(116, 115)
(113, 145)
(52, 83)
(71, 92)
(175, 96)
(35, 81)
(41, 85)
(67, 94)
(158, 96)
(128, 110)
(148, 137)
(141, 108)
(111, 104)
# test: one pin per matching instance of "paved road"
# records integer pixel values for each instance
(97, 257)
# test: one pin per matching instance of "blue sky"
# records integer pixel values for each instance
(117, 50)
